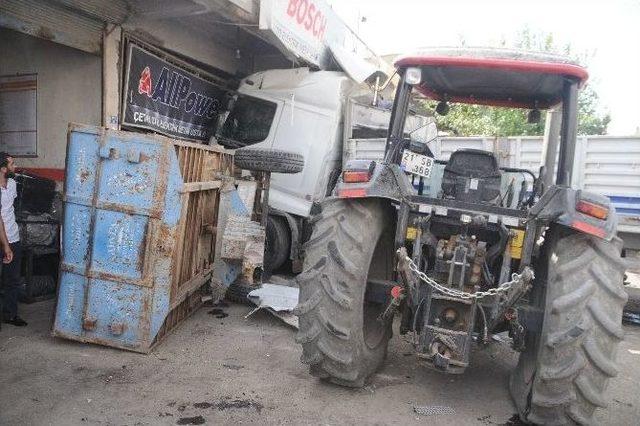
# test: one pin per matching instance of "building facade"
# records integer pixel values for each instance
(65, 61)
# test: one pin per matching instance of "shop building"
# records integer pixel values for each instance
(64, 61)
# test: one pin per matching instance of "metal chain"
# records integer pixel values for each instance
(502, 288)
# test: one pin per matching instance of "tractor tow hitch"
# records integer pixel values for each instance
(525, 277)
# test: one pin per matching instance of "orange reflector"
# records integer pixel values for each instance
(593, 210)
(352, 193)
(587, 228)
(355, 176)
(396, 291)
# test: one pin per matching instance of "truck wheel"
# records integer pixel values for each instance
(268, 160)
(562, 376)
(277, 243)
(342, 339)
(633, 304)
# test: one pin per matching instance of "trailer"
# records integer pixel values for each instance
(139, 235)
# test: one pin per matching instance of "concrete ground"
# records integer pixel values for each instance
(235, 370)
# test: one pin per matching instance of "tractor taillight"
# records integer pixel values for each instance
(592, 209)
(356, 176)
(588, 228)
(352, 193)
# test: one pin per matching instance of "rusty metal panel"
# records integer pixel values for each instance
(136, 252)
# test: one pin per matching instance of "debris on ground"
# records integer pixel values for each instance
(197, 420)
(228, 403)
(515, 421)
(233, 366)
(433, 410)
(278, 300)
(218, 313)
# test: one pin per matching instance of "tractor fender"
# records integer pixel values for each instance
(558, 205)
(386, 181)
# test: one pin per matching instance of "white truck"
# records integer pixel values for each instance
(314, 113)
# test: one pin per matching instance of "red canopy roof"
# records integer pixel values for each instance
(497, 77)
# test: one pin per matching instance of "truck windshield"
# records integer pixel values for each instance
(248, 122)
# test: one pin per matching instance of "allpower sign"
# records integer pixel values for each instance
(306, 29)
(167, 99)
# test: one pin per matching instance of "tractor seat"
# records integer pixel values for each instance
(472, 175)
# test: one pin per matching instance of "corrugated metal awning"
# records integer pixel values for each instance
(74, 23)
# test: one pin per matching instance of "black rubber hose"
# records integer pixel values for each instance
(485, 331)
(498, 248)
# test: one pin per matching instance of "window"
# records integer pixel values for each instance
(248, 122)
(18, 115)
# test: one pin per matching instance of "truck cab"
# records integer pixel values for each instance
(327, 117)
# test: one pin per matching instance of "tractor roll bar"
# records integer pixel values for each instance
(398, 114)
(568, 132)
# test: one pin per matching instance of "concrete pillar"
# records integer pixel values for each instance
(111, 67)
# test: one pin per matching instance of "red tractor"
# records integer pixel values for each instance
(461, 249)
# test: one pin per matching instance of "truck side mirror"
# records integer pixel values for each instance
(533, 117)
(418, 147)
(442, 108)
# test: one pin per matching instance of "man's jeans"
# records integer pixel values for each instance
(11, 282)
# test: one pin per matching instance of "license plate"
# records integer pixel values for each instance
(416, 164)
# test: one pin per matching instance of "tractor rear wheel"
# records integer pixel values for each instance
(562, 376)
(342, 339)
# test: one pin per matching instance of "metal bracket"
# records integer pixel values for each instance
(108, 153)
(133, 155)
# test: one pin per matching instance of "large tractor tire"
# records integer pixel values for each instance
(562, 376)
(342, 339)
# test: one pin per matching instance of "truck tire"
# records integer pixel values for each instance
(342, 339)
(277, 243)
(633, 304)
(268, 160)
(563, 374)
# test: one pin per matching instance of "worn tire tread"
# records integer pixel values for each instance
(583, 321)
(332, 284)
(268, 160)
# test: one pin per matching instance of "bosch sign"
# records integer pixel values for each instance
(306, 14)
(307, 29)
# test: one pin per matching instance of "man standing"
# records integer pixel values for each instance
(10, 271)
(7, 257)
